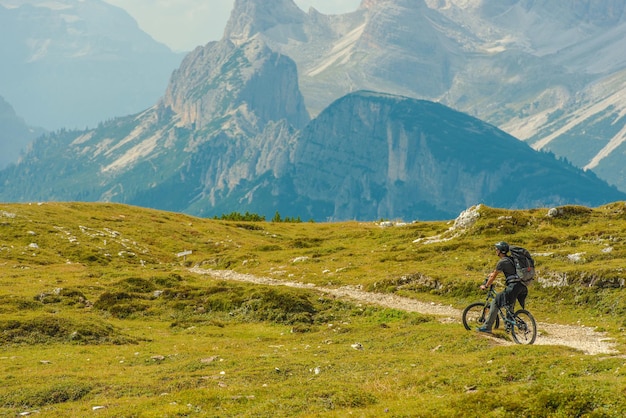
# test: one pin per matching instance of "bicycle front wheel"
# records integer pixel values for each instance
(525, 329)
(476, 314)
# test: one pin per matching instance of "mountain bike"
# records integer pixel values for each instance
(520, 324)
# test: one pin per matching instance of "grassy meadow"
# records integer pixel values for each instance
(101, 316)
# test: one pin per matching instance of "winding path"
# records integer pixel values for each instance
(581, 338)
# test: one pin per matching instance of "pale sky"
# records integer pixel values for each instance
(184, 24)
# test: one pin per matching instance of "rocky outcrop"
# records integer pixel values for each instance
(404, 156)
(223, 79)
(372, 156)
(251, 17)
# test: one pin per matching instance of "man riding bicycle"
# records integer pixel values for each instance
(515, 289)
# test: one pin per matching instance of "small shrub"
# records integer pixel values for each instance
(93, 257)
(306, 242)
(50, 395)
(73, 297)
(135, 284)
(120, 304)
(48, 329)
(549, 240)
(126, 310)
(269, 247)
(249, 227)
(343, 398)
(108, 300)
(283, 306)
(169, 281)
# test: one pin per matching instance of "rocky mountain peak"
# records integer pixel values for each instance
(222, 78)
(368, 4)
(250, 17)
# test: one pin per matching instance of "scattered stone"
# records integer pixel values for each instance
(158, 358)
(464, 221)
(555, 212)
(578, 257)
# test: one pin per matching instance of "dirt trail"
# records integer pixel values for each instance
(581, 338)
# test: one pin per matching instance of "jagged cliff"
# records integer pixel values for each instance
(249, 80)
(371, 156)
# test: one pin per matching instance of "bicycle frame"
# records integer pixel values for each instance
(521, 324)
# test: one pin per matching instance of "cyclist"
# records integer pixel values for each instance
(515, 289)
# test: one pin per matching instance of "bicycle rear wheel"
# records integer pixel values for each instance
(525, 329)
(476, 314)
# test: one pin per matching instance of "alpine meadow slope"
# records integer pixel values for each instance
(102, 315)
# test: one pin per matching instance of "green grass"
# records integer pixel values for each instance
(101, 312)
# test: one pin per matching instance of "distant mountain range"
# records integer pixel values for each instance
(233, 130)
(74, 64)
(15, 134)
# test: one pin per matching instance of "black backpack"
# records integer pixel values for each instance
(524, 264)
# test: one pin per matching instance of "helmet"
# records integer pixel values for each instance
(503, 247)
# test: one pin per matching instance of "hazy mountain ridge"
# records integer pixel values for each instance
(71, 64)
(15, 134)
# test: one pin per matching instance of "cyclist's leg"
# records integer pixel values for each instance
(497, 302)
(493, 313)
(521, 297)
(514, 292)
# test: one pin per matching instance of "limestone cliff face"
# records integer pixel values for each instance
(251, 17)
(369, 155)
(223, 79)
